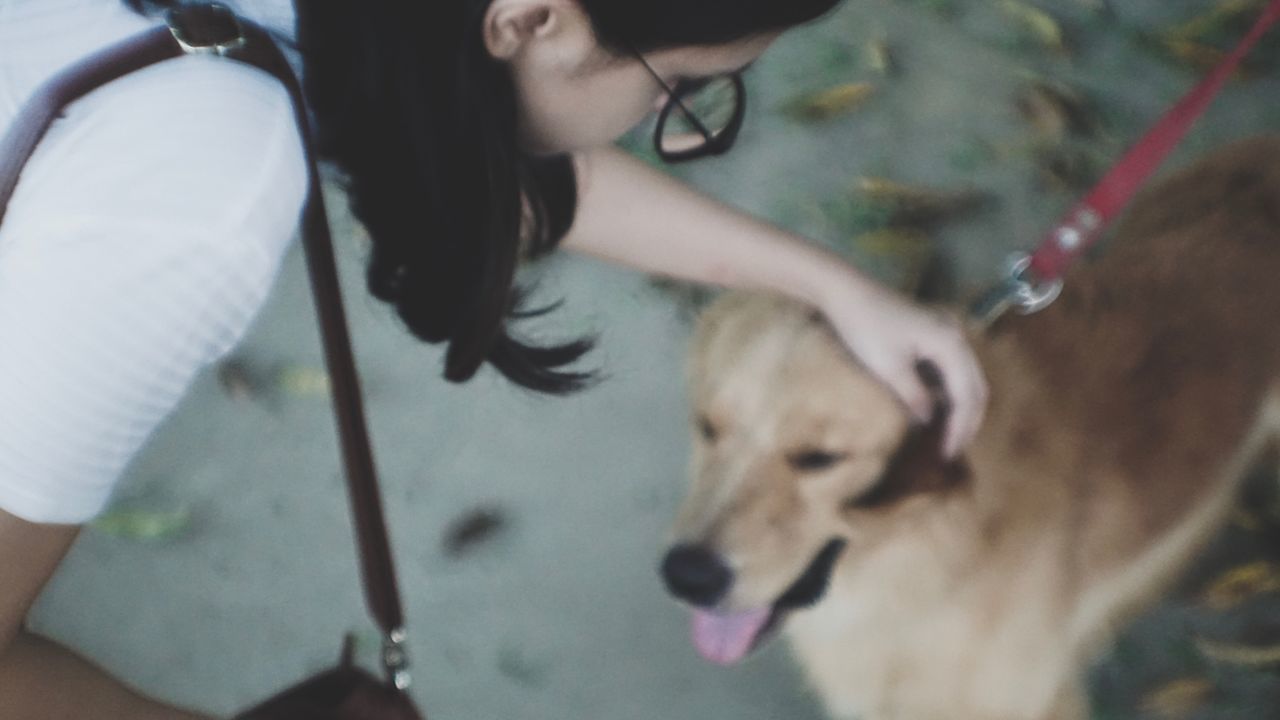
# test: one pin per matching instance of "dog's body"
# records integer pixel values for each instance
(1121, 421)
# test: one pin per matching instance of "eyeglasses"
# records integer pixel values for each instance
(701, 118)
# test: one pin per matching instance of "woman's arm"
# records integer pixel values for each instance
(39, 679)
(631, 214)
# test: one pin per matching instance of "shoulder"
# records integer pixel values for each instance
(186, 179)
(194, 142)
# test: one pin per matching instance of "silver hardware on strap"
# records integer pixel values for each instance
(395, 659)
(1084, 222)
(210, 29)
(1019, 291)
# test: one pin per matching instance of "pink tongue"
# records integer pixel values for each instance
(726, 639)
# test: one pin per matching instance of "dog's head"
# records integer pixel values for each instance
(801, 461)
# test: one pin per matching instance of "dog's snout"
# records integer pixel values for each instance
(696, 575)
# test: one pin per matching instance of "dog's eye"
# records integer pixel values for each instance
(815, 460)
(706, 429)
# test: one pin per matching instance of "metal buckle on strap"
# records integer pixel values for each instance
(1019, 291)
(395, 659)
(206, 29)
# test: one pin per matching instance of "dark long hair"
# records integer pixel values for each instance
(421, 122)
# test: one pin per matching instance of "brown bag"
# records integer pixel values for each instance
(346, 692)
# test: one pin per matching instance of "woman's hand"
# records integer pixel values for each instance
(891, 337)
(631, 214)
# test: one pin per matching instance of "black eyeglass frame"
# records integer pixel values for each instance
(716, 144)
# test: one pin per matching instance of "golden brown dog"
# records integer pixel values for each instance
(1121, 421)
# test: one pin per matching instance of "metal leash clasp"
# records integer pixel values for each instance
(395, 659)
(206, 29)
(1020, 291)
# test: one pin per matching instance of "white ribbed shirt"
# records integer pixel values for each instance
(142, 239)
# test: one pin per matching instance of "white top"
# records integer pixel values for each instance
(141, 241)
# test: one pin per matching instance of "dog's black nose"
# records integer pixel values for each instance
(696, 575)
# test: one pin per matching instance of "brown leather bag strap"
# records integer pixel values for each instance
(212, 29)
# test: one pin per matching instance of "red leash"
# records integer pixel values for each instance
(1035, 281)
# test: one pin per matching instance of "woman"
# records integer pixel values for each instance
(149, 226)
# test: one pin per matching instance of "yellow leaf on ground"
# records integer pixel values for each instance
(1251, 656)
(1246, 520)
(1211, 20)
(1194, 54)
(913, 206)
(1240, 584)
(1040, 23)
(894, 243)
(830, 103)
(1178, 699)
(880, 56)
(1056, 111)
(304, 381)
(911, 251)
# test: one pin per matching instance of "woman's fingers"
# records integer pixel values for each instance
(913, 393)
(966, 388)
(894, 339)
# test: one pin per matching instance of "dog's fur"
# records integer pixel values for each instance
(1121, 420)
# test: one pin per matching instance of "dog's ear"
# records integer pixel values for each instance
(918, 467)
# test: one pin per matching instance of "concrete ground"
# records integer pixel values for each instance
(558, 612)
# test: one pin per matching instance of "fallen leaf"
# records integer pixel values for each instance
(1239, 654)
(237, 381)
(918, 206)
(1240, 584)
(910, 251)
(1246, 520)
(1178, 699)
(829, 103)
(1055, 111)
(894, 242)
(1212, 20)
(143, 525)
(1193, 54)
(880, 57)
(1065, 169)
(689, 298)
(300, 381)
(1039, 23)
(472, 529)
(515, 664)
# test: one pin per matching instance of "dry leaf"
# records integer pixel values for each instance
(1065, 169)
(830, 103)
(1178, 699)
(918, 206)
(1240, 584)
(142, 525)
(1251, 656)
(1056, 111)
(1246, 520)
(689, 298)
(471, 529)
(237, 381)
(880, 57)
(894, 242)
(1212, 20)
(911, 251)
(1040, 23)
(1193, 54)
(301, 381)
